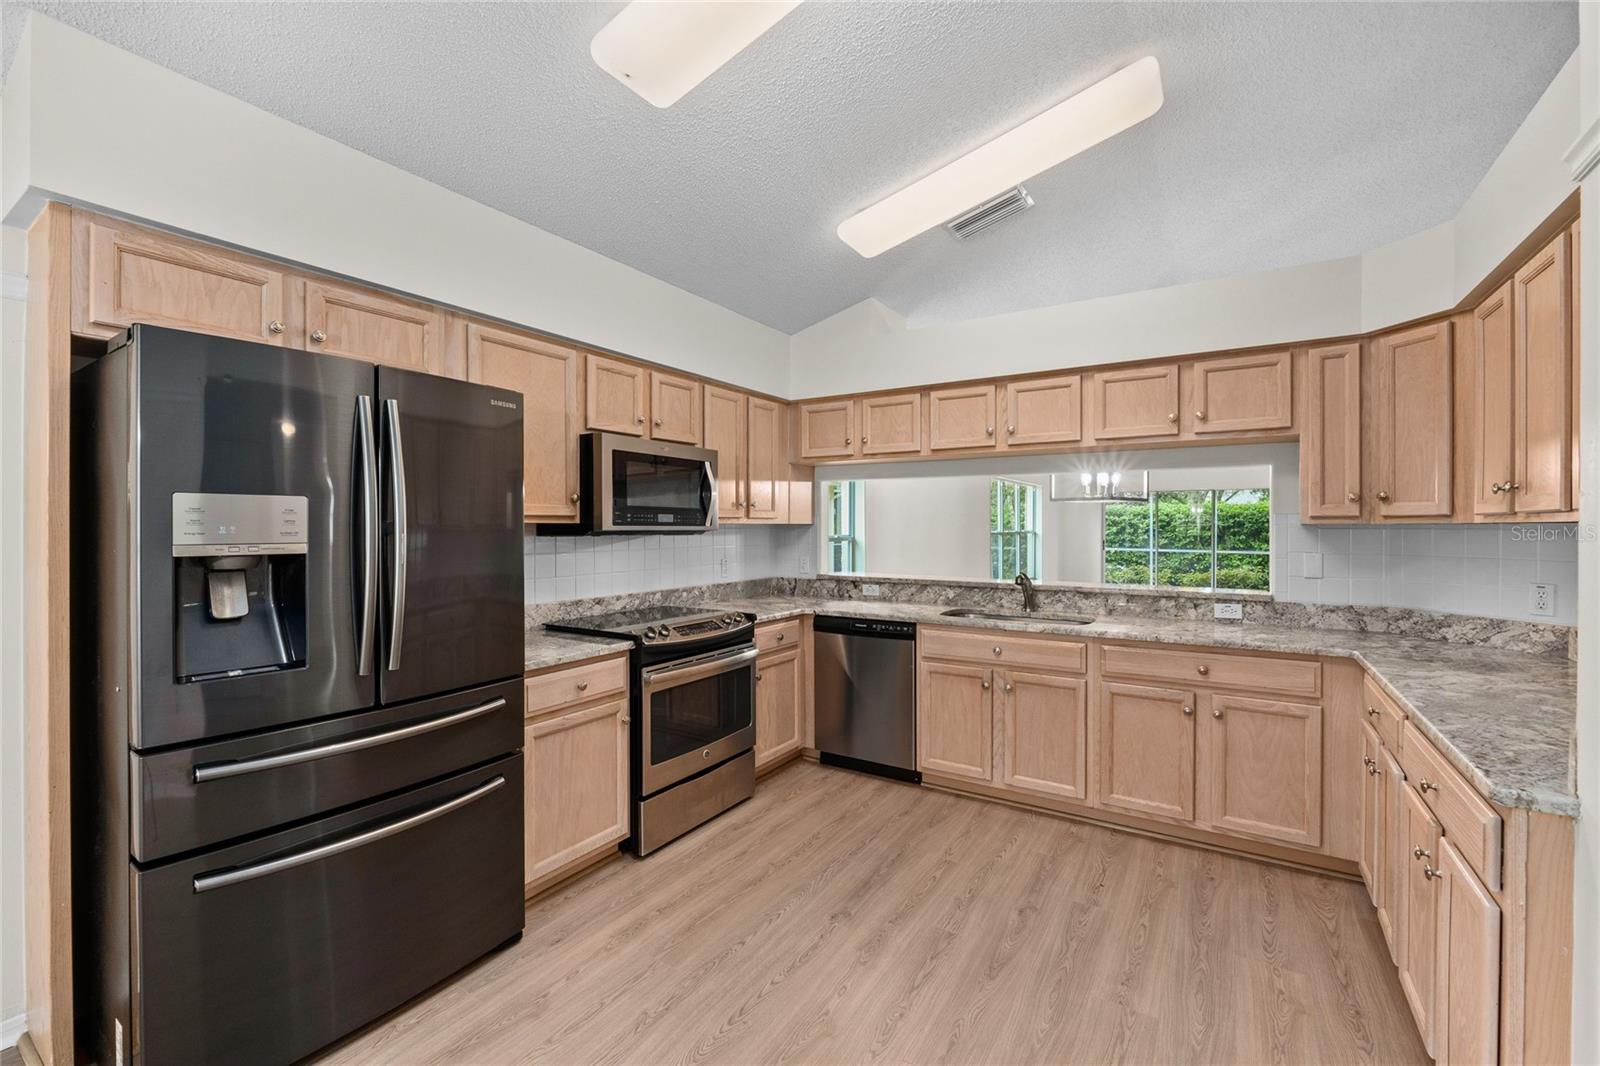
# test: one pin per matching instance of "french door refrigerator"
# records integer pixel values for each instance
(297, 700)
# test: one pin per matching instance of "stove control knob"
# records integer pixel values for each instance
(731, 619)
(652, 633)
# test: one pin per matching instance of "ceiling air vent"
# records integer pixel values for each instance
(989, 212)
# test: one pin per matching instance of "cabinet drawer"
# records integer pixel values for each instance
(1384, 714)
(1294, 677)
(778, 635)
(1004, 649)
(1466, 816)
(575, 684)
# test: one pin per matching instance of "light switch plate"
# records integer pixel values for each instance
(1541, 599)
(1228, 610)
(872, 590)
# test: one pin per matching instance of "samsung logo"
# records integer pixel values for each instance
(507, 404)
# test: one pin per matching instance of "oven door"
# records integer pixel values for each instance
(646, 485)
(696, 713)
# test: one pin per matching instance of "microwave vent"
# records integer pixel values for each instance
(986, 214)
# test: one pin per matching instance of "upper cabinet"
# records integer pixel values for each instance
(135, 275)
(892, 424)
(1543, 376)
(616, 395)
(546, 374)
(1137, 402)
(1493, 404)
(1242, 393)
(1330, 433)
(828, 430)
(725, 435)
(961, 417)
(676, 408)
(1044, 410)
(1412, 379)
(361, 324)
(766, 491)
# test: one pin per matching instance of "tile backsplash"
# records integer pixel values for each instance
(566, 568)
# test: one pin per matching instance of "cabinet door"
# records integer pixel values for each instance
(725, 435)
(1140, 402)
(1044, 739)
(1369, 858)
(1542, 298)
(891, 425)
(547, 376)
(575, 786)
(135, 275)
(1494, 401)
(777, 706)
(1330, 440)
(1147, 750)
(1412, 381)
(1395, 864)
(1467, 1015)
(1418, 937)
(767, 461)
(367, 325)
(1266, 769)
(828, 430)
(1044, 410)
(675, 408)
(615, 396)
(955, 721)
(961, 417)
(1237, 393)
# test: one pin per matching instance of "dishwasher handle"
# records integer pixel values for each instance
(883, 628)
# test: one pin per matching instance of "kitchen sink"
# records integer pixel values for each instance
(1019, 616)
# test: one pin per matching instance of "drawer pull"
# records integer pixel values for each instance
(1424, 786)
(781, 637)
(583, 686)
(997, 649)
(1203, 670)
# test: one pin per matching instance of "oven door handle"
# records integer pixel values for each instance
(697, 669)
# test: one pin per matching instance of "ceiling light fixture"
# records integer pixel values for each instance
(1103, 110)
(663, 48)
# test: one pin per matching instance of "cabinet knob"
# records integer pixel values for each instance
(985, 686)
(1352, 496)
(1420, 852)
(640, 420)
(1188, 710)
(1430, 873)
(997, 649)
(781, 636)
(1200, 416)
(1372, 712)
(1425, 785)
(1011, 431)
(1498, 488)
(1172, 416)
(1513, 485)
(317, 336)
(847, 440)
(863, 440)
(758, 675)
(1374, 770)
(583, 686)
(1008, 686)
(1216, 712)
(989, 430)
(658, 421)
(274, 326)
(1366, 761)
(1384, 496)
(1203, 670)
(573, 498)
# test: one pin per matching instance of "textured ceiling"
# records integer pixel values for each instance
(1291, 132)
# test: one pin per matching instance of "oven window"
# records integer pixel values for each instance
(692, 716)
(656, 483)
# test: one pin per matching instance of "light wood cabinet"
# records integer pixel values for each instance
(1242, 393)
(779, 699)
(828, 430)
(1044, 740)
(1330, 434)
(1543, 350)
(1369, 857)
(1137, 402)
(1467, 998)
(1396, 862)
(961, 417)
(1493, 404)
(955, 720)
(1265, 768)
(766, 490)
(362, 324)
(675, 408)
(1419, 895)
(1412, 381)
(1147, 750)
(1044, 410)
(575, 788)
(726, 435)
(891, 425)
(614, 396)
(546, 374)
(137, 275)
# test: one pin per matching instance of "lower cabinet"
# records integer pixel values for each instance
(1043, 733)
(1397, 860)
(955, 720)
(1418, 941)
(1369, 858)
(1147, 750)
(575, 788)
(1265, 771)
(780, 697)
(1467, 1001)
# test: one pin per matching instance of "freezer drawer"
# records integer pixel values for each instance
(266, 951)
(195, 797)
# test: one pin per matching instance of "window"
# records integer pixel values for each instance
(1013, 529)
(1195, 538)
(846, 552)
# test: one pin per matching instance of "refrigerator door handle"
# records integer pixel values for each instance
(367, 612)
(397, 481)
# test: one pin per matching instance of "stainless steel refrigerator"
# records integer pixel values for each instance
(297, 704)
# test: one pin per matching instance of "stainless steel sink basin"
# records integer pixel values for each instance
(1019, 616)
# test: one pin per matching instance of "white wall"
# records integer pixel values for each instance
(92, 124)
(13, 260)
(565, 568)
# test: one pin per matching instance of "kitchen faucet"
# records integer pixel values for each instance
(1030, 595)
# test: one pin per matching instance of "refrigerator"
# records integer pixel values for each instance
(297, 641)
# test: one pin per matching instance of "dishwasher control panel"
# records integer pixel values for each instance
(872, 627)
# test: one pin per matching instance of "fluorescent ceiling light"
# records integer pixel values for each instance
(663, 48)
(1103, 110)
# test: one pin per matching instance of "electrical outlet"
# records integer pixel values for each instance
(1228, 610)
(872, 590)
(1311, 564)
(722, 564)
(1542, 599)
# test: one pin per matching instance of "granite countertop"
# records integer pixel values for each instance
(1505, 719)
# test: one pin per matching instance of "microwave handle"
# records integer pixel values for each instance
(708, 493)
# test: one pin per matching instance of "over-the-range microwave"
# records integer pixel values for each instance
(632, 485)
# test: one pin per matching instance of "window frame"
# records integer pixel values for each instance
(1153, 551)
(844, 505)
(1027, 540)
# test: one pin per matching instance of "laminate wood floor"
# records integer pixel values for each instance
(839, 918)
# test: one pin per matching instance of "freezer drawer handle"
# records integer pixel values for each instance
(217, 770)
(239, 874)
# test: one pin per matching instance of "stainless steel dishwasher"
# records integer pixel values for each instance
(866, 695)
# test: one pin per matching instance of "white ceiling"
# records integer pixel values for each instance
(1291, 133)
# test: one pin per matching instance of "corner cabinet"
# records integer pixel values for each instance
(547, 376)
